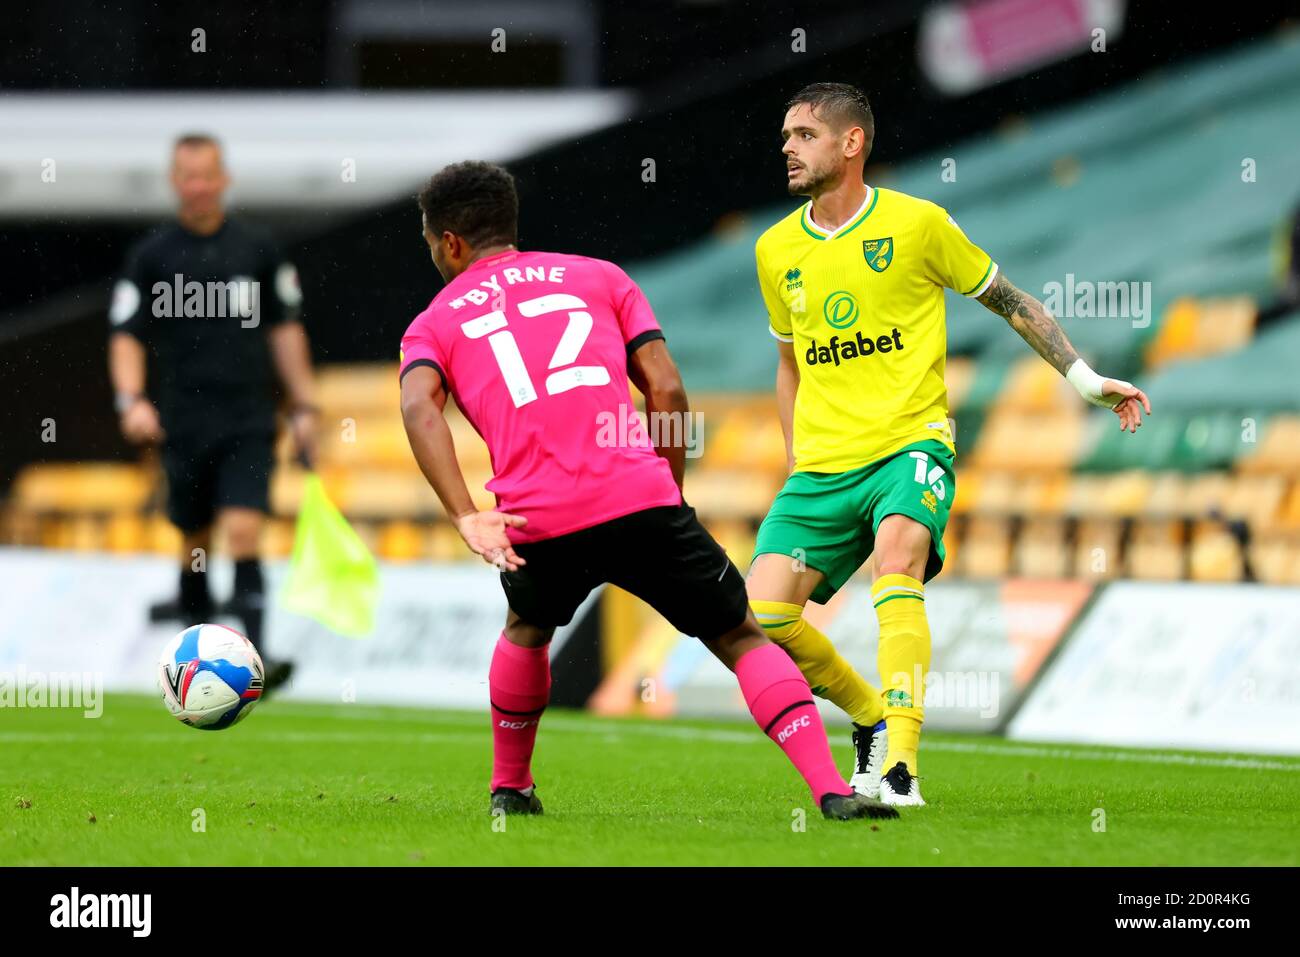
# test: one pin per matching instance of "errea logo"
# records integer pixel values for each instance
(793, 279)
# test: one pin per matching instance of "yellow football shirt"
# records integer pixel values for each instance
(863, 306)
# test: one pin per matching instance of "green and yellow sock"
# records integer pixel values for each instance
(904, 660)
(827, 671)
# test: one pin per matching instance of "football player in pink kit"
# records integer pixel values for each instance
(537, 348)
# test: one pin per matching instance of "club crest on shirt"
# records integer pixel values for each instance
(879, 253)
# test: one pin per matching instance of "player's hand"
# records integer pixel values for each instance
(303, 425)
(485, 534)
(1132, 401)
(140, 423)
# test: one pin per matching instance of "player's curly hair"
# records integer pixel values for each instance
(475, 200)
(838, 104)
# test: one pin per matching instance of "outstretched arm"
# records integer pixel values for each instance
(423, 399)
(1036, 326)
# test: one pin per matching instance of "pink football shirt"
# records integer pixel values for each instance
(533, 346)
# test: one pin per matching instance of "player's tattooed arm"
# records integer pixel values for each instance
(1032, 321)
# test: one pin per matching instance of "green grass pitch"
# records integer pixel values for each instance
(347, 784)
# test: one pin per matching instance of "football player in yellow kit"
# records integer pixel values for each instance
(854, 281)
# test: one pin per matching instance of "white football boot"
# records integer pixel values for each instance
(899, 788)
(869, 747)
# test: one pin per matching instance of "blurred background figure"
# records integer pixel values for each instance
(205, 312)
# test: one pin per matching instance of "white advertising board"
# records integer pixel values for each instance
(1178, 665)
(436, 626)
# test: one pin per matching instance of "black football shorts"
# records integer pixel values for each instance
(662, 555)
(208, 473)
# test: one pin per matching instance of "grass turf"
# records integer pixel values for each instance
(346, 784)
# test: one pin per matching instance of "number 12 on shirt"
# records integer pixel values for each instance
(511, 361)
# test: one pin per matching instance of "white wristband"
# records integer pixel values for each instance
(1089, 383)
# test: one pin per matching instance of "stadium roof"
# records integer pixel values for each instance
(105, 154)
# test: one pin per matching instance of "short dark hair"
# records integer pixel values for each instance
(475, 200)
(838, 104)
(195, 139)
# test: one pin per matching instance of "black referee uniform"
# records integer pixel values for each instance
(201, 306)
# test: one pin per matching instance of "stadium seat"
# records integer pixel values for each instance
(1155, 551)
(81, 487)
(1192, 329)
(986, 548)
(1215, 553)
(1275, 557)
(1040, 549)
(1027, 441)
(354, 389)
(402, 541)
(374, 493)
(1097, 549)
(1277, 449)
(726, 494)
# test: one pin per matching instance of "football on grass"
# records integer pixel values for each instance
(210, 676)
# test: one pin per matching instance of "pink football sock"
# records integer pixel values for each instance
(782, 703)
(519, 684)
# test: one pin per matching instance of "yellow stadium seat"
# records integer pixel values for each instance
(1155, 551)
(986, 548)
(1192, 328)
(970, 488)
(1033, 386)
(383, 493)
(1273, 555)
(125, 532)
(1215, 554)
(1256, 499)
(402, 541)
(162, 537)
(719, 493)
(1131, 493)
(1206, 493)
(736, 537)
(445, 545)
(1289, 511)
(1127, 493)
(1019, 441)
(959, 374)
(1098, 549)
(1166, 497)
(1040, 550)
(1278, 448)
(352, 390)
(81, 487)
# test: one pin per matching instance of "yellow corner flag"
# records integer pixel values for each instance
(332, 576)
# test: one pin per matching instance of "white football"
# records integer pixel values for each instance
(210, 676)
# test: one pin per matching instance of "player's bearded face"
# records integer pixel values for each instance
(814, 154)
(812, 175)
